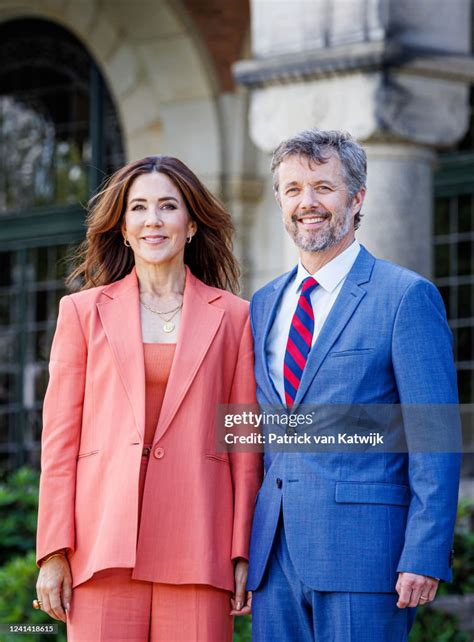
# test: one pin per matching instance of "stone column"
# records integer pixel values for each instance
(394, 73)
(397, 214)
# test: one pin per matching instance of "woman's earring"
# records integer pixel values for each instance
(125, 242)
(189, 239)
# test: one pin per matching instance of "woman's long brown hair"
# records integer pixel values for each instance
(103, 258)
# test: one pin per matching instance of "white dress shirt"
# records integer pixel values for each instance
(331, 278)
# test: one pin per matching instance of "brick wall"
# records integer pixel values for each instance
(223, 25)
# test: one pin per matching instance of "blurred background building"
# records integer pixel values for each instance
(86, 85)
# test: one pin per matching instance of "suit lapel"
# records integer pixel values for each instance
(120, 316)
(344, 307)
(199, 324)
(271, 308)
(119, 313)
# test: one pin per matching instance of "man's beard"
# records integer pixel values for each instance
(318, 240)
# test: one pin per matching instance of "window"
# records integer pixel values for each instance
(59, 136)
(454, 264)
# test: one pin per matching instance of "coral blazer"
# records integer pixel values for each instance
(93, 429)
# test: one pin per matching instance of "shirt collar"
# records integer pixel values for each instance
(331, 274)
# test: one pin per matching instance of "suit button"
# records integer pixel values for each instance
(159, 452)
(279, 483)
(146, 451)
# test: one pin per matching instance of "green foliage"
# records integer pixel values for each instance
(243, 629)
(433, 626)
(18, 571)
(17, 590)
(463, 565)
(18, 507)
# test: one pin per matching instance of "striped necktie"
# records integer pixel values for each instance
(299, 341)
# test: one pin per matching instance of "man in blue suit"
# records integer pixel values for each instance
(345, 545)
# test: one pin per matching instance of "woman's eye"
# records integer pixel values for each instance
(137, 207)
(168, 206)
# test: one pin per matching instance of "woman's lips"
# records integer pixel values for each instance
(154, 240)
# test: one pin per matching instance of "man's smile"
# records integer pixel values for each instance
(312, 221)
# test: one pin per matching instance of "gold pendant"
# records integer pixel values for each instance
(168, 326)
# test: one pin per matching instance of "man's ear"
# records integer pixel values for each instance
(276, 193)
(357, 201)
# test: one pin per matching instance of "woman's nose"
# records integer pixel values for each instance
(153, 216)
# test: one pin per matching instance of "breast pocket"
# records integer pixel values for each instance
(355, 352)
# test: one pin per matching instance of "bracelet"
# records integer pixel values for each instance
(61, 553)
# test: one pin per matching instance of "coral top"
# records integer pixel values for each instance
(158, 362)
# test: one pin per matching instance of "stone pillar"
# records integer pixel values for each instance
(397, 214)
(394, 73)
(240, 187)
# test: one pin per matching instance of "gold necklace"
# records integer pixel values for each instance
(148, 307)
(167, 325)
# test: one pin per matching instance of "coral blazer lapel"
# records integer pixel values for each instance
(119, 313)
(120, 316)
(198, 326)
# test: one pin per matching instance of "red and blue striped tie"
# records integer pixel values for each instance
(299, 341)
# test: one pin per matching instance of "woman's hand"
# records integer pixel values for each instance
(54, 587)
(241, 601)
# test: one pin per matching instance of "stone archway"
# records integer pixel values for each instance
(160, 81)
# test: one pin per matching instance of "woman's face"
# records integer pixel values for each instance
(156, 221)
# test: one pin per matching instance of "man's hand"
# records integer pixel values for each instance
(54, 587)
(241, 601)
(415, 590)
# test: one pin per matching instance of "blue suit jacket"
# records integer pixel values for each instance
(353, 520)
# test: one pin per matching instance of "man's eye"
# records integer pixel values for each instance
(323, 188)
(291, 190)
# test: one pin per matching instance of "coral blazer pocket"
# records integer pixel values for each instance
(87, 454)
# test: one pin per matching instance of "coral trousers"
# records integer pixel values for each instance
(111, 607)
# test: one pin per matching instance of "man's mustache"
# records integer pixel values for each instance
(297, 215)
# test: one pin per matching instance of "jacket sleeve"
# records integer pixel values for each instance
(246, 467)
(424, 369)
(62, 419)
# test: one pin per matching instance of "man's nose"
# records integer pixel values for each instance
(309, 198)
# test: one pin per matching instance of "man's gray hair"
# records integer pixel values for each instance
(318, 145)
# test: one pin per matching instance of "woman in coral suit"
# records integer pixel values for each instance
(143, 523)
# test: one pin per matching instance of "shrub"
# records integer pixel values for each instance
(432, 624)
(17, 591)
(18, 571)
(243, 629)
(19, 508)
